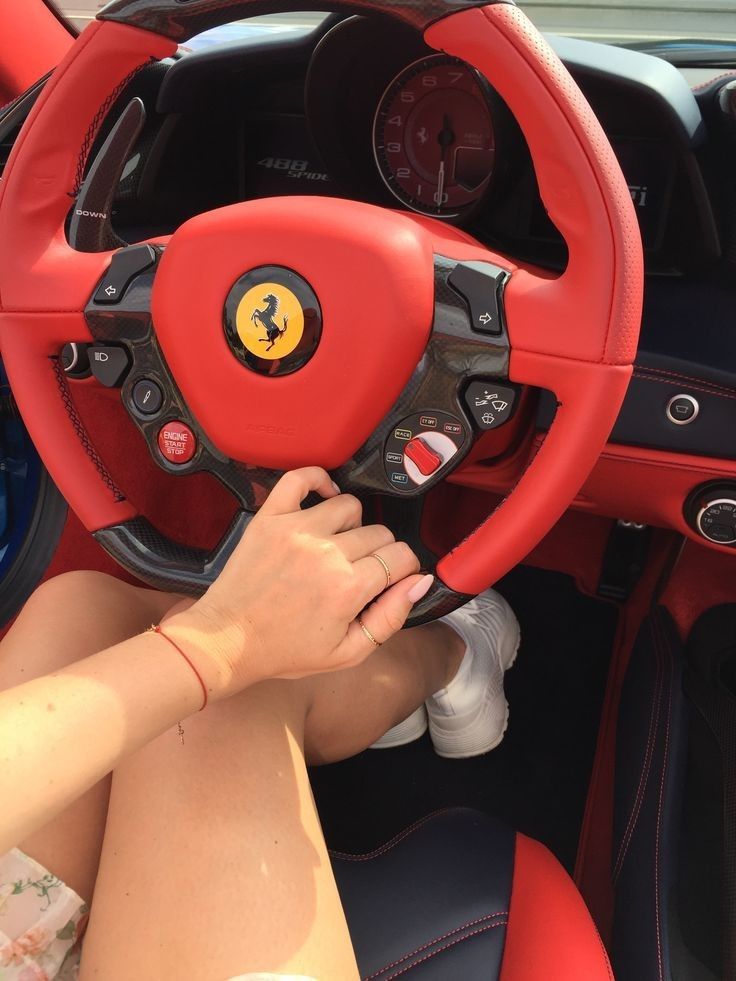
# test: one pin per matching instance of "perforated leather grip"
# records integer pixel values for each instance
(181, 19)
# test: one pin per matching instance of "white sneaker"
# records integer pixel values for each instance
(470, 716)
(405, 732)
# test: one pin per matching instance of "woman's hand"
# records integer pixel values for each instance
(286, 604)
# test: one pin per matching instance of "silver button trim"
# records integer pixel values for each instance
(683, 422)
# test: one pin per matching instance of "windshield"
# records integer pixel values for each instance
(618, 21)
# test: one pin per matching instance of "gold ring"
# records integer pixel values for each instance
(369, 635)
(385, 568)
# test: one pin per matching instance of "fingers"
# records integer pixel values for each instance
(382, 619)
(399, 559)
(339, 514)
(290, 491)
(360, 542)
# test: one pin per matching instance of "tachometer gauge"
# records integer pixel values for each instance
(433, 137)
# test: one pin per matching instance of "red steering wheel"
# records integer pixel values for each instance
(383, 318)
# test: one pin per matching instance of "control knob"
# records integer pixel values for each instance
(716, 520)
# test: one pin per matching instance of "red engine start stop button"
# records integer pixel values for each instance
(177, 442)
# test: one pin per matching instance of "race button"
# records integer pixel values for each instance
(177, 442)
(423, 456)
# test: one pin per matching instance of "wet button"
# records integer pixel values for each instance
(147, 397)
(177, 442)
(423, 456)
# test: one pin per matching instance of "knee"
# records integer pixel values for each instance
(90, 603)
(74, 589)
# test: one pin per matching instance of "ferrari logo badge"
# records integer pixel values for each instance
(272, 320)
(266, 319)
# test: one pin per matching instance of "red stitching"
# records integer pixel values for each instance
(684, 377)
(696, 388)
(712, 81)
(609, 969)
(663, 638)
(475, 933)
(367, 856)
(437, 940)
(96, 125)
(644, 777)
(81, 432)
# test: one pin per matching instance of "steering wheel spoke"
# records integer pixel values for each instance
(120, 322)
(458, 390)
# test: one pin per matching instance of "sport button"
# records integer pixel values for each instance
(177, 442)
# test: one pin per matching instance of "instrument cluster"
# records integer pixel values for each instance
(433, 137)
(410, 126)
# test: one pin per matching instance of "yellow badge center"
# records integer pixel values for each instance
(270, 321)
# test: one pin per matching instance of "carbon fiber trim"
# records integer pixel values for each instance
(166, 564)
(182, 19)
(96, 125)
(129, 323)
(454, 355)
(90, 228)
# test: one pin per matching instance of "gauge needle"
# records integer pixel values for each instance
(445, 138)
(440, 184)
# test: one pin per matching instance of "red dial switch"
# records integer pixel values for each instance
(423, 456)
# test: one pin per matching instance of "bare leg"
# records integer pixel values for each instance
(66, 619)
(256, 891)
(214, 863)
(350, 710)
(235, 801)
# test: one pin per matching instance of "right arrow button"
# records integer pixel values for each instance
(481, 284)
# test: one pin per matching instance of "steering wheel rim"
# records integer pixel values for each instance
(574, 334)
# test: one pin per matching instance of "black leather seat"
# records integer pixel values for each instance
(460, 896)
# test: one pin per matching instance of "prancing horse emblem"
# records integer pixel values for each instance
(266, 318)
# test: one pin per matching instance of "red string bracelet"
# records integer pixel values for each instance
(155, 628)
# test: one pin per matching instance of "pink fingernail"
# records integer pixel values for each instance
(421, 589)
(337, 489)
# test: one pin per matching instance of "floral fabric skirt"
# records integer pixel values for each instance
(41, 923)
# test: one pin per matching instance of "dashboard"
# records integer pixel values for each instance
(363, 109)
